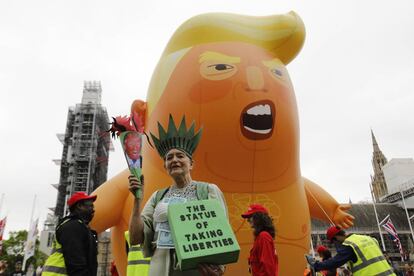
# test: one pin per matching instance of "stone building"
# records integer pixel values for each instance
(86, 145)
(378, 184)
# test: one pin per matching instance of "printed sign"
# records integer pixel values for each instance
(202, 234)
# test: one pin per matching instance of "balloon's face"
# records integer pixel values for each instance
(243, 98)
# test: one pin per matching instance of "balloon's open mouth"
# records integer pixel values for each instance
(257, 120)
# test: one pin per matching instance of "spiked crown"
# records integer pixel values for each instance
(182, 138)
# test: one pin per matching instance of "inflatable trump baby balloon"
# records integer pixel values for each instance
(227, 73)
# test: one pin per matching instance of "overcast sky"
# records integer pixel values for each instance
(355, 72)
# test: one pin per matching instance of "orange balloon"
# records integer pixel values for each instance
(236, 86)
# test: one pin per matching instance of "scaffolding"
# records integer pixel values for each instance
(86, 146)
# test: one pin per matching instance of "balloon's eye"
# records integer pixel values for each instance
(217, 71)
(277, 72)
(221, 67)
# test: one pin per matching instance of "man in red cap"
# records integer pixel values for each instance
(263, 260)
(361, 252)
(75, 245)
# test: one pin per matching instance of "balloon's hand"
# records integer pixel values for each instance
(136, 186)
(342, 218)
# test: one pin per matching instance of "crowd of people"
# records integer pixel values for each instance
(75, 245)
(18, 269)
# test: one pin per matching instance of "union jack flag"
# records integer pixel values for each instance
(2, 226)
(390, 229)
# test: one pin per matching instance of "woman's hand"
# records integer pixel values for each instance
(135, 184)
(136, 226)
(210, 270)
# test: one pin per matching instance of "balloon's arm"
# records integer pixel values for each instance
(111, 197)
(324, 207)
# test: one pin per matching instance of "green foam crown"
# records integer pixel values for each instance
(181, 138)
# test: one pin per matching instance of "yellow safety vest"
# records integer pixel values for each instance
(370, 260)
(55, 264)
(137, 264)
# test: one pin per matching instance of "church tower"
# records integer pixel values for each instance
(378, 184)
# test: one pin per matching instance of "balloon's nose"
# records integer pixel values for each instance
(255, 78)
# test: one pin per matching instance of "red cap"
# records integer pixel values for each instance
(321, 248)
(79, 196)
(332, 231)
(254, 208)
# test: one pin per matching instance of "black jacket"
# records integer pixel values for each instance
(79, 246)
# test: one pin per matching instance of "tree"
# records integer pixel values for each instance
(13, 250)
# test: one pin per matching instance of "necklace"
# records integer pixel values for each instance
(188, 191)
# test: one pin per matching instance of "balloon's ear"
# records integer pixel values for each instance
(140, 107)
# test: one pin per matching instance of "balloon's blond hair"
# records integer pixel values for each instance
(283, 35)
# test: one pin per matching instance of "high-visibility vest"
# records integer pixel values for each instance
(55, 264)
(370, 260)
(137, 264)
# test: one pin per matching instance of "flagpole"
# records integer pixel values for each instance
(28, 232)
(311, 242)
(1, 202)
(408, 217)
(33, 208)
(376, 217)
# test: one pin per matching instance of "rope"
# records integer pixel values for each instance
(320, 206)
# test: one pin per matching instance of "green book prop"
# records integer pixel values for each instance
(202, 234)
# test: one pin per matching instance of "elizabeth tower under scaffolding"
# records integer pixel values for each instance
(86, 146)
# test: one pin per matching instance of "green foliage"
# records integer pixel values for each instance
(15, 244)
(13, 250)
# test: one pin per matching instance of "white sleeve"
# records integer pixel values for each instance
(214, 192)
(147, 218)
